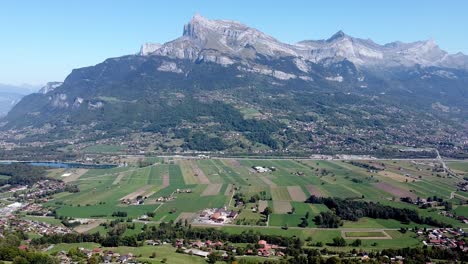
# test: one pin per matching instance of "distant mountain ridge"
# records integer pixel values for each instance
(352, 92)
(12, 94)
(225, 41)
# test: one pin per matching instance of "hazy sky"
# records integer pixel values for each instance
(44, 40)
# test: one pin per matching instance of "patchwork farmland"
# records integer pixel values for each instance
(179, 189)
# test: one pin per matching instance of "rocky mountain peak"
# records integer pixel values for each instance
(49, 87)
(148, 48)
(199, 27)
(338, 35)
(226, 42)
(223, 41)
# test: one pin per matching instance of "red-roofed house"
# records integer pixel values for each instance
(23, 247)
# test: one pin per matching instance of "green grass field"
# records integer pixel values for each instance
(364, 234)
(462, 210)
(104, 211)
(458, 165)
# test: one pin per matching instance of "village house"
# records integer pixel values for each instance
(445, 238)
(267, 250)
(260, 169)
(216, 216)
(153, 242)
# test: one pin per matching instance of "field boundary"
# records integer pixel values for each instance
(345, 234)
(119, 178)
(136, 193)
(268, 182)
(75, 175)
(212, 189)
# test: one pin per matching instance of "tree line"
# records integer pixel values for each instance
(353, 210)
(167, 231)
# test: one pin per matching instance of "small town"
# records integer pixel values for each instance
(13, 223)
(444, 238)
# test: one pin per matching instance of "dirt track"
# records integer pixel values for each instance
(136, 193)
(212, 189)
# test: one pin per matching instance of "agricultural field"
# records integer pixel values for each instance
(104, 149)
(178, 189)
(366, 234)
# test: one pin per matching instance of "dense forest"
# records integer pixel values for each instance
(353, 210)
(21, 174)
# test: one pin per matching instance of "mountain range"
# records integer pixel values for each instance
(228, 42)
(12, 94)
(225, 86)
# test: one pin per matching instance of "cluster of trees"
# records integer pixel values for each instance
(339, 242)
(353, 210)
(304, 220)
(141, 163)
(356, 180)
(72, 188)
(21, 174)
(239, 197)
(119, 214)
(411, 255)
(328, 220)
(203, 142)
(366, 165)
(259, 196)
(440, 202)
(9, 251)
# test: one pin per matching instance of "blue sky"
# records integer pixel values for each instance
(44, 40)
